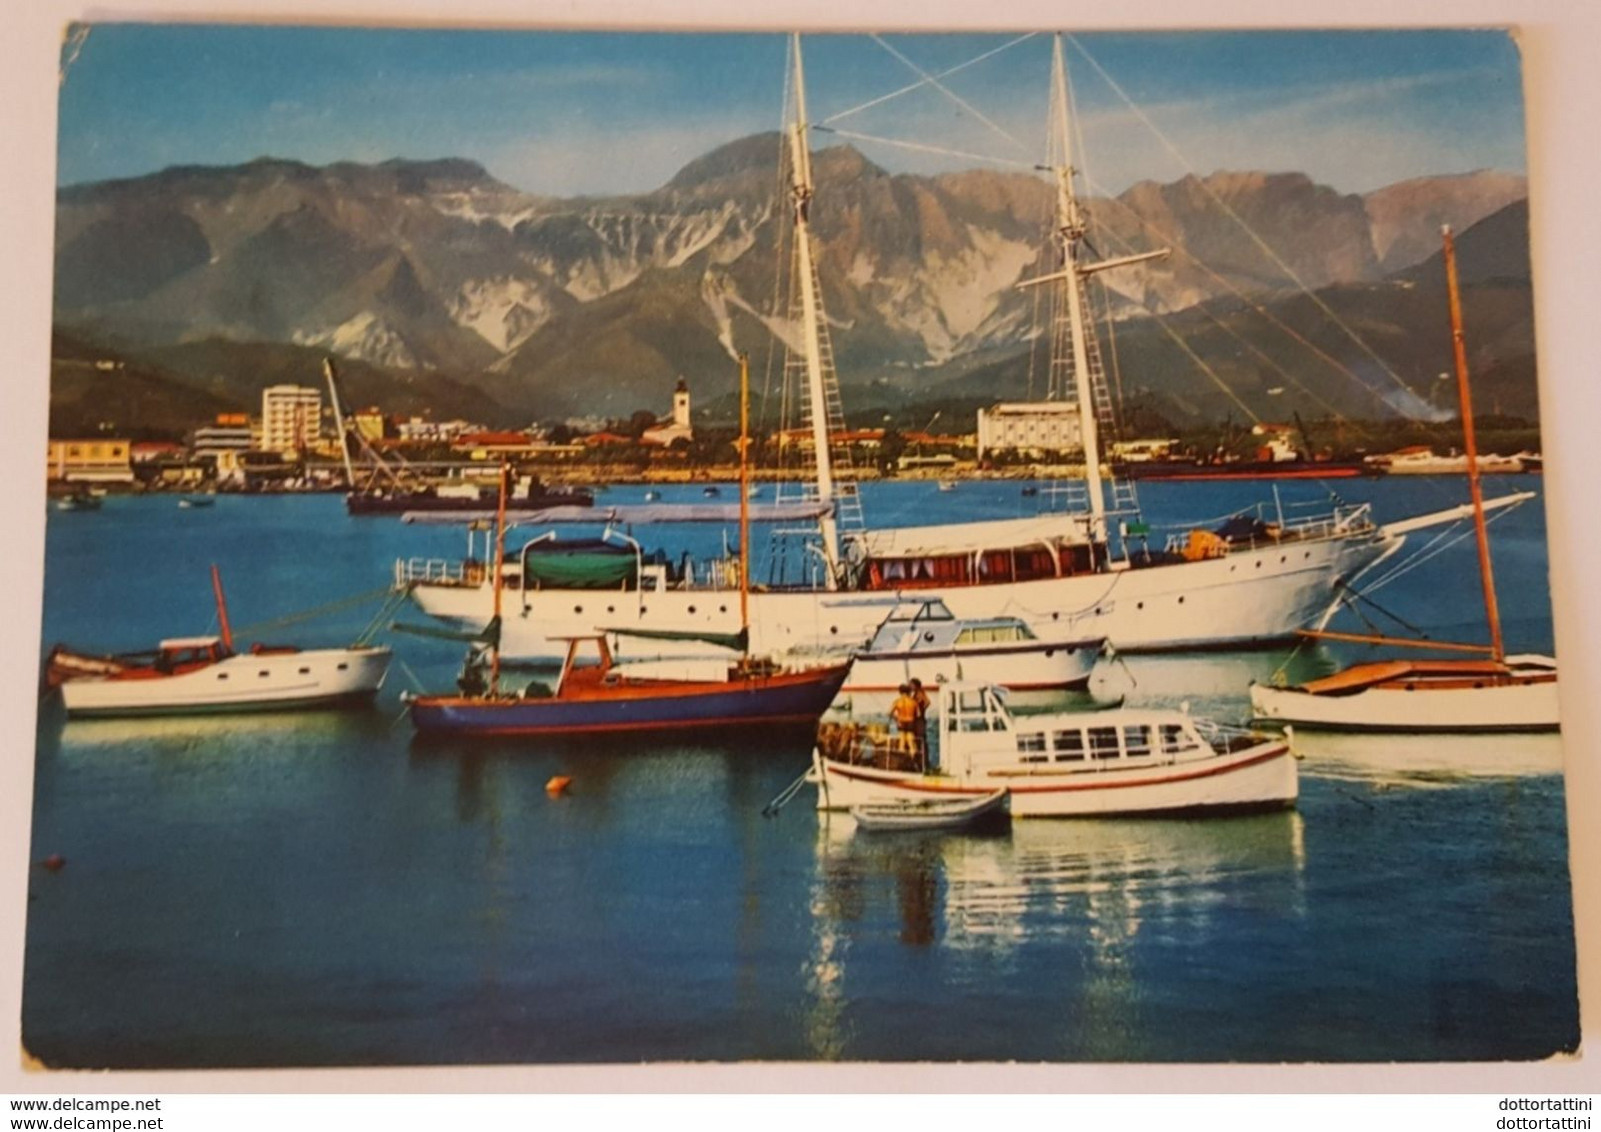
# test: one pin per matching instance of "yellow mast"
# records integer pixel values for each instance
(1486, 577)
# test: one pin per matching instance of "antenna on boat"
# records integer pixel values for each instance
(500, 582)
(1492, 612)
(744, 498)
(339, 422)
(801, 191)
(223, 629)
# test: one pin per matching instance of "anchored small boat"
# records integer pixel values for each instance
(1491, 692)
(1062, 764)
(924, 639)
(601, 696)
(78, 501)
(931, 813)
(186, 675)
(189, 501)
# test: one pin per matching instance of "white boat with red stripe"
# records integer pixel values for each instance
(1065, 764)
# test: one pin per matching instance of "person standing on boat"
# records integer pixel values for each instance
(908, 720)
(920, 733)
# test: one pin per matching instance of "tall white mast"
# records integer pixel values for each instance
(801, 192)
(1070, 230)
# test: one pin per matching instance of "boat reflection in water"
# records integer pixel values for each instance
(1074, 898)
(1426, 760)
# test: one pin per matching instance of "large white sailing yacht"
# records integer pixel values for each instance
(1063, 572)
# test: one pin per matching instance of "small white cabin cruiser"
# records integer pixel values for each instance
(924, 639)
(1062, 764)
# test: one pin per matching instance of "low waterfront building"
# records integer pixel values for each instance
(99, 460)
(1032, 428)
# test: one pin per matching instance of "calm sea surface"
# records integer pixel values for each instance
(324, 889)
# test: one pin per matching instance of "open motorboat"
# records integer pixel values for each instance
(922, 638)
(1492, 692)
(605, 697)
(1062, 764)
(929, 813)
(205, 674)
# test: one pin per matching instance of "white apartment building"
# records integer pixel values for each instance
(291, 418)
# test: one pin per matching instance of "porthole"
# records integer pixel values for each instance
(222, 676)
(1052, 652)
(1309, 554)
(1258, 563)
(692, 609)
(264, 673)
(1284, 558)
(611, 609)
(305, 672)
(343, 666)
(1056, 616)
(722, 609)
(1181, 599)
(930, 638)
(578, 609)
(834, 629)
(1139, 605)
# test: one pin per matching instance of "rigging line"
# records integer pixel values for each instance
(951, 94)
(1358, 595)
(1334, 362)
(921, 148)
(925, 81)
(1234, 216)
(1426, 555)
(1204, 368)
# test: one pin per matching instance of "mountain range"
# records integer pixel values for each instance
(451, 290)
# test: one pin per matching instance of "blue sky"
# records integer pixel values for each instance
(569, 113)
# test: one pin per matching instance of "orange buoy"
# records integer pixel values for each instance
(558, 785)
(54, 862)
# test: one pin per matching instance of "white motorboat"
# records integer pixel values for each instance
(204, 674)
(1086, 570)
(1062, 764)
(922, 638)
(1492, 692)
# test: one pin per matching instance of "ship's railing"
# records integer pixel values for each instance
(1343, 519)
(870, 744)
(437, 572)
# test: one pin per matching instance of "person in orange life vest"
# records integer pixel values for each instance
(905, 713)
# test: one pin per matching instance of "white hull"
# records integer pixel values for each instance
(1511, 707)
(1263, 776)
(244, 682)
(1244, 598)
(1023, 667)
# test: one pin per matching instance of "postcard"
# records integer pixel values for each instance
(598, 547)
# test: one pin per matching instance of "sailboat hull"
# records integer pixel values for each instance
(1527, 701)
(665, 706)
(269, 681)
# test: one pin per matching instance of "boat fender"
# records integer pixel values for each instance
(557, 786)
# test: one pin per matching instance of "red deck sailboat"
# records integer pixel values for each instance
(606, 697)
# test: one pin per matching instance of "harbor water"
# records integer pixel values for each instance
(324, 888)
